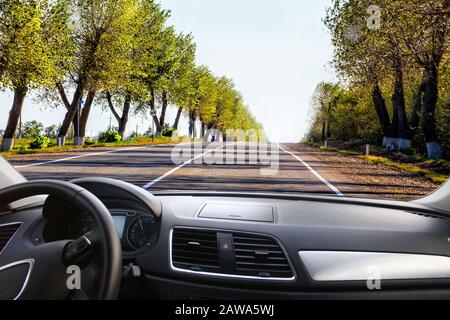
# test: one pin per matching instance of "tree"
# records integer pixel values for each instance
(102, 36)
(177, 85)
(32, 129)
(409, 43)
(131, 84)
(51, 131)
(202, 98)
(324, 101)
(423, 29)
(34, 51)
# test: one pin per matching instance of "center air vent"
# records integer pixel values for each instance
(195, 250)
(260, 256)
(7, 231)
(229, 254)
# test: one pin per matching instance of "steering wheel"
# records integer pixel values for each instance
(51, 264)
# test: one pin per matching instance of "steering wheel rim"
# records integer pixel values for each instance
(105, 235)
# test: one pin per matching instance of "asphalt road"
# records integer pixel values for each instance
(284, 168)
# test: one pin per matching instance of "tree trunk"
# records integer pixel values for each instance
(162, 118)
(417, 110)
(323, 130)
(70, 114)
(399, 109)
(192, 118)
(125, 115)
(434, 147)
(390, 129)
(177, 119)
(202, 134)
(153, 112)
(111, 106)
(383, 114)
(13, 120)
(84, 117)
(75, 126)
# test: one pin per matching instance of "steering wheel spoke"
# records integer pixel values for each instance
(78, 251)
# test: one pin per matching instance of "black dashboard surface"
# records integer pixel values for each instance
(297, 224)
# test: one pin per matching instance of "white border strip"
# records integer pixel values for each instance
(314, 172)
(167, 174)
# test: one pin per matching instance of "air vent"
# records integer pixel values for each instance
(7, 231)
(195, 250)
(229, 254)
(260, 256)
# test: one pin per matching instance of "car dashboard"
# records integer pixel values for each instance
(249, 246)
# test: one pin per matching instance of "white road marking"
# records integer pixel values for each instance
(167, 174)
(314, 172)
(83, 156)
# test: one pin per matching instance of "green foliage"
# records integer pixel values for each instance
(52, 131)
(123, 48)
(32, 129)
(407, 50)
(169, 132)
(35, 42)
(90, 142)
(40, 142)
(109, 136)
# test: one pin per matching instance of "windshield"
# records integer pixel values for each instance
(324, 97)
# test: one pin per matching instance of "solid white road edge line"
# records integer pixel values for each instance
(314, 172)
(87, 155)
(151, 184)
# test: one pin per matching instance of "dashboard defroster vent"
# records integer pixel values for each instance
(7, 231)
(195, 250)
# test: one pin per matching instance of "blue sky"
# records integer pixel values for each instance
(276, 52)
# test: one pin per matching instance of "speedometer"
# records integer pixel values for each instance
(140, 231)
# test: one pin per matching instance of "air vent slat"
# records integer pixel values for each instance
(195, 250)
(247, 250)
(6, 234)
(256, 245)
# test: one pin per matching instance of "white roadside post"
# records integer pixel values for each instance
(367, 149)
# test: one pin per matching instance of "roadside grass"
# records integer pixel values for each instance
(340, 151)
(431, 175)
(434, 170)
(22, 145)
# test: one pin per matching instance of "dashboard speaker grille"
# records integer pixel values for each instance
(195, 250)
(6, 234)
(261, 256)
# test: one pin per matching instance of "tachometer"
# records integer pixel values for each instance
(140, 231)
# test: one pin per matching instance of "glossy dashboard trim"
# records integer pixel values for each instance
(221, 275)
(326, 266)
(30, 262)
